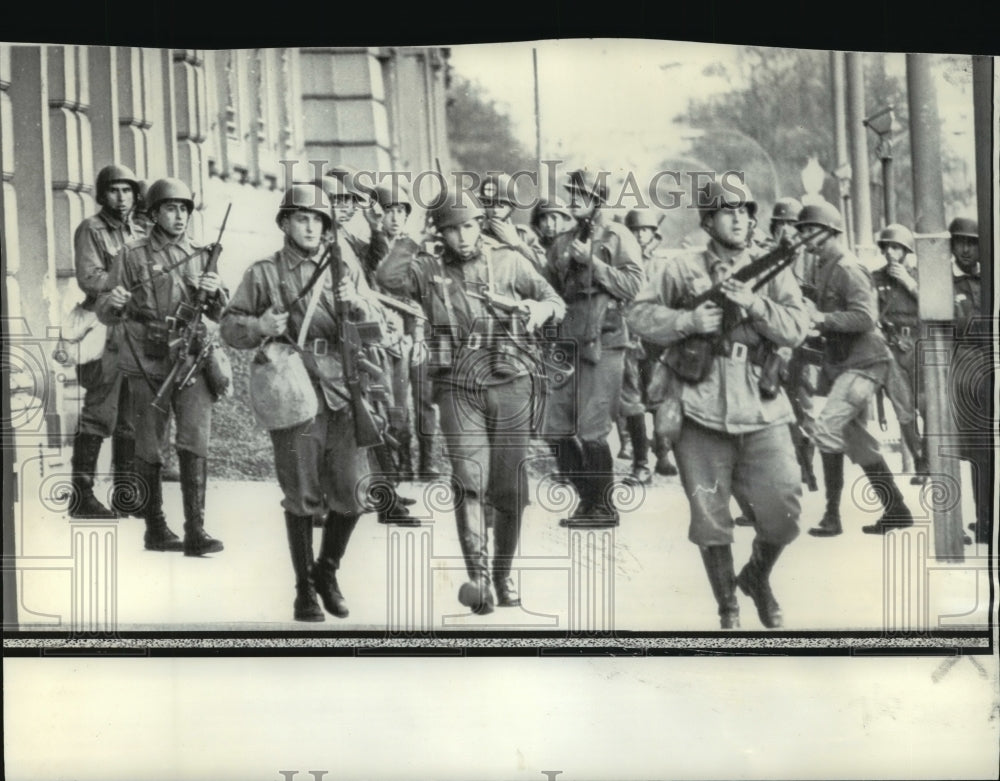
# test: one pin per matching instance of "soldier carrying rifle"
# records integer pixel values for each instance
(160, 286)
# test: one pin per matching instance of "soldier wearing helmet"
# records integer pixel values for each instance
(498, 195)
(154, 283)
(597, 269)
(484, 375)
(856, 363)
(734, 440)
(318, 462)
(106, 408)
(550, 218)
(971, 362)
(896, 283)
(638, 367)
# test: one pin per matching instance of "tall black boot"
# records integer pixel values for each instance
(83, 503)
(596, 509)
(194, 481)
(405, 439)
(718, 560)
(472, 538)
(299, 528)
(640, 449)
(425, 446)
(506, 531)
(625, 449)
(158, 535)
(913, 443)
(754, 581)
(125, 495)
(336, 534)
(569, 460)
(833, 481)
(895, 515)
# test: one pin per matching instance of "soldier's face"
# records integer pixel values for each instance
(498, 211)
(893, 253)
(344, 207)
(732, 226)
(814, 245)
(120, 197)
(966, 250)
(172, 217)
(549, 225)
(463, 238)
(581, 205)
(304, 229)
(782, 230)
(644, 235)
(394, 220)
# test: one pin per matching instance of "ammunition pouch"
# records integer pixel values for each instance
(773, 372)
(691, 358)
(218, 373)
(156, 342)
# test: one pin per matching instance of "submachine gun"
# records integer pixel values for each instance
(194, 344)
(691, 358)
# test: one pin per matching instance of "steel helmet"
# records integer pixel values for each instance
(824, 214)
(731, 194)
(896, 234)
(350, 178)
(335, 187)
(390, 196)
(111, 174)
(550, 206)
(786, 210)
(964, 226)
(306, 196)
(168, 189)
(452, 209)
(640, 218)
(498, 188)
(591, 184)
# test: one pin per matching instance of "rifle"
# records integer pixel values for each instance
(189, 360)
(691, 358)
(354, 337)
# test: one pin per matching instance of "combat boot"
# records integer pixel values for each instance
(505, 535)
(83, 503)
(159, 536)
(754, 581)
(718, 561)
(833, 481)
(397, 514)
(306, 606)
(895, 515)
(475, 594)
(336, 534)
(599, 466)
(194, 481)
(404, 438)
(125, 494)
(426, 472)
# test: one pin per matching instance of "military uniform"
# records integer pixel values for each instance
(580, 413)
(107, 405)
(530, 246)
(483, 374)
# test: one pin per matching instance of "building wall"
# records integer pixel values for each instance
(223, 121)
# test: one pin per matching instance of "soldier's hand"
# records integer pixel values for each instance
(273, 323)
(418, 355)
(504, 231)
(580, 250)
(739, 293)
(374, 214)
(348, 293)
(210, 283)
(118, 297)
(538, 313)
(707, 318)
(898, 272)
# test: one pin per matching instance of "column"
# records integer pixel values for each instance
(592, 581)
(95, 577)
(856, 131)
(134, 118)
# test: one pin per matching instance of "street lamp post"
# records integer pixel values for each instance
(883, 124)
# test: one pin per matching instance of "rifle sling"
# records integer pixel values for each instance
(138, 363)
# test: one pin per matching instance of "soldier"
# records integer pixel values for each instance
(107, 406)
(639, 360)
(896, 283)
(318, 462)
(734, 439)
(155, 282)
(498, 195)
(597, 269)
(856, 363)
(483, 380)
(972, 370)
(391, 209)
(550, 218)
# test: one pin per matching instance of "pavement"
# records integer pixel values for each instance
(641, 577)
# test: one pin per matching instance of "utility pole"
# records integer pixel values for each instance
(936, 306)
(861, 179)
(843, 171)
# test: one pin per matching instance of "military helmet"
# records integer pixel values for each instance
(587, 182)
(111, 174)
(498, 188)
(452, 209)
(350, 178)
(896, 234)
(786, 210)
(335, 187)
(306, 196)
(640, 218)
(168, 189)
(550, 206)
(716, 195)
(824, 214)
(964, 226)
(387, 196)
